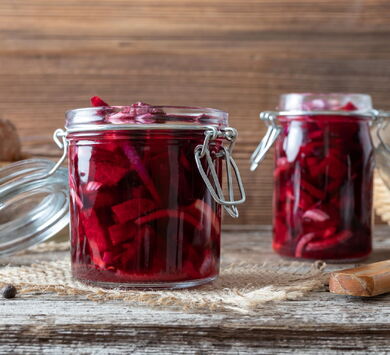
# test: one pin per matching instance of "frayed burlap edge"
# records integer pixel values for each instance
(242, 288)
(381, 199)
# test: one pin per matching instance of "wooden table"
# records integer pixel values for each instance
(321, 322)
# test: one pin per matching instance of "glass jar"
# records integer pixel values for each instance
(146, 196)
(324, 163)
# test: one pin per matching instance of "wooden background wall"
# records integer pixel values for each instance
(236, 55)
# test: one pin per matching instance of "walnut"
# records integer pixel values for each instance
(10, 148)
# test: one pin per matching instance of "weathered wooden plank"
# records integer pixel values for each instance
(319, 323)
(176, 333)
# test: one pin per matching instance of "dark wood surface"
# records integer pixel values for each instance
(320, 323)
(229, 54)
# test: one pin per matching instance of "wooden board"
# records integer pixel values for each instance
(228, 54)
(319, 323)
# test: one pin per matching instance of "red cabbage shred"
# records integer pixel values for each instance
(323, 187)
(140, 210)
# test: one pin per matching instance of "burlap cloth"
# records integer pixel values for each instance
(381, 199)
(240, 288)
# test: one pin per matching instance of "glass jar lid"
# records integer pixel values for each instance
(34, 203)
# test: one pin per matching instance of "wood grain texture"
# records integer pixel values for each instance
(317, 324)
(228, 54)
(365, 280)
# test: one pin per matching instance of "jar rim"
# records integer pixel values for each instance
(188, 108)
(143, 115)
(325, 102)
(325, 93)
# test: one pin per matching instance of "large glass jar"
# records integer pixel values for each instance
(145, 187)
(324, 161)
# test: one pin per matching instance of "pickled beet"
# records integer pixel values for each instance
(323, 186)
(96, 101)
(141, 212)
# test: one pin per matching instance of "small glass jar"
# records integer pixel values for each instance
(324, 162)
(145, 197)
(145, 187)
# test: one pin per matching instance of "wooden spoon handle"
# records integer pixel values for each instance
(367, 280)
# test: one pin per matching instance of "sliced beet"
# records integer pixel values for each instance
(129, 255)
(101, 198)
(185, 162)
(190, 270)
(122, 233)
(312, 190)
(109, 174)
(96, 101)
(328, 232)
(175, 214)
(110, 259)
(349, 106)
(316, 134)
(93, 186)
(205, 215)
(316, 215)
(303, 240)
(160, 165)
(208, 263)
(137, 164)
(107, 167)
(338, 239)
(96, 256)
(139, 191)
(94, 230)
(132, 209)
(190, 265)
(282, 165)
(335, 168)
(317, 168)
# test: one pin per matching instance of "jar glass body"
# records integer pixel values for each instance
(323, 185)
(141, 214)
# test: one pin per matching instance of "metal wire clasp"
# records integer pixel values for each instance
(203, 151)
(59, 137)
(381, 120)
(268, 140)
